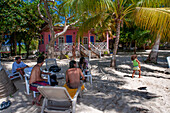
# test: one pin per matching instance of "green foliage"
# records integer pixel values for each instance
(21, 20)
(105, 52)
(22, 49)
(134, 33)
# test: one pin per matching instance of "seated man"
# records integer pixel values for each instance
(18, 66)
(73, 78)
(36, 79)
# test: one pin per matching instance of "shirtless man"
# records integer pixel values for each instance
(73, 76)
(36, 79)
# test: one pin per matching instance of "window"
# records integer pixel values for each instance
(69, 38)
(85, 41)
(92, 39)
(61, 39)
(48, 38)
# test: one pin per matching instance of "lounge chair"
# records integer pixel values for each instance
(57, 99)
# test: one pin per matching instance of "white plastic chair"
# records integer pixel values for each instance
(50, 62)
(14, 75)
(62, 102)
(168, 59)
(27, 77)
(88, 76)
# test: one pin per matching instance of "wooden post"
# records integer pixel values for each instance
(88, 39)
(78, 43)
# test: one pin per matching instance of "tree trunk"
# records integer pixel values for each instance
(15, 44)
(19, 47)
(11, 45)
(28, 48)
(154, 53)
(50, 51)
(144, 46)
(135, 48)
(113, 61)
(7, 87)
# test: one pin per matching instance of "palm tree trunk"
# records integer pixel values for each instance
(154, 53)
(113, 61)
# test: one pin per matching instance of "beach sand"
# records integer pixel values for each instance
(113, 90)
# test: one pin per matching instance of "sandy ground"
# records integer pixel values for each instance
(112, 91)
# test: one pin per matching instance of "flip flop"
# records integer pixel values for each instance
(7, 104)
(2, 105)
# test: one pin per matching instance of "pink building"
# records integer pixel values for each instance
(64, 42)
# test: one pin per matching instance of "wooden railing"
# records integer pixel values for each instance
(63, 47)
(85, 51)
(101, 45)
(95, 50)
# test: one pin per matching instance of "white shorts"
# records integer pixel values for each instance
(136, 68)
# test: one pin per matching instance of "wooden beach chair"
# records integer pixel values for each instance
(57, 99)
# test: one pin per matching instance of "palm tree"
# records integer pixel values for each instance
(119, 11)
(119, 14)
(157, 20)
(108, 19)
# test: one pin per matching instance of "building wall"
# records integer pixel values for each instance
(72, 32)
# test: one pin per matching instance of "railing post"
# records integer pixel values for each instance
(89, 55)
(100, 53)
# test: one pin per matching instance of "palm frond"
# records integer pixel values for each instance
(154, 19)
(89, 23)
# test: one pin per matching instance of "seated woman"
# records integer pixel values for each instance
(83, 64)
(73, 75)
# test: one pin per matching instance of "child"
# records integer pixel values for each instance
(136, 65)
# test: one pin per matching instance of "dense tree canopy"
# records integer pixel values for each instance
(19, 17)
